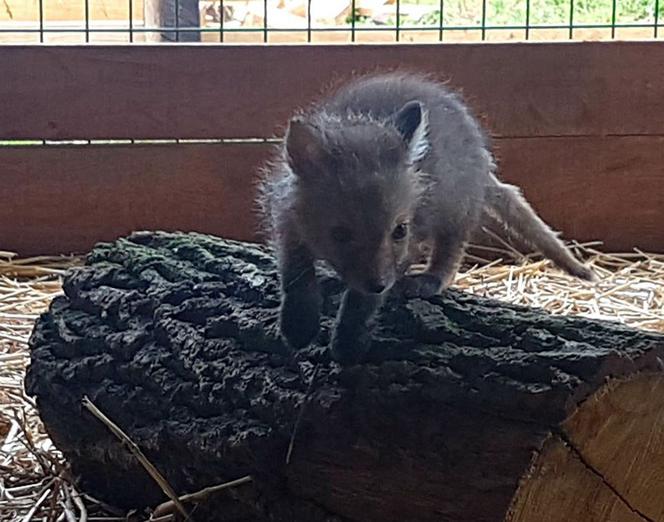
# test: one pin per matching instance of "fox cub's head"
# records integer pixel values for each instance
(357, 189)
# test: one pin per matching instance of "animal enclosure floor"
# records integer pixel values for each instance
(34, 481)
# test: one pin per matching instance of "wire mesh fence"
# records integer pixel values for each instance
(326, 21)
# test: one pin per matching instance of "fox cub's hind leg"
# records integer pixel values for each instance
(510, 207)
(300, 297)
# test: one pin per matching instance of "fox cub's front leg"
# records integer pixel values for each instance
(300, 297)
(447, 253)
(351, 335)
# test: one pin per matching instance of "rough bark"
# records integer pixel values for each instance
(173, 336)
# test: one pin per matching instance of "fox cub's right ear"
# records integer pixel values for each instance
(304, 147)
(413, 124)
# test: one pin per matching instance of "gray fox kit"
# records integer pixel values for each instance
(386, 164)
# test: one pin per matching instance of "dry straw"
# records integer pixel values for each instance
(34, 481)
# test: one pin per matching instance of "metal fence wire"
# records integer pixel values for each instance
(320, 21)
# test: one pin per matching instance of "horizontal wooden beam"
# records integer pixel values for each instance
(65, 199)
(525, 90)
(611, 188)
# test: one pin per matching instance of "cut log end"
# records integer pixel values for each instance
(467, 410)
(604, 463)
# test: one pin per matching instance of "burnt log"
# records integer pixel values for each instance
(466, 409)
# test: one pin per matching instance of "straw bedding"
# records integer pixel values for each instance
(34, 479)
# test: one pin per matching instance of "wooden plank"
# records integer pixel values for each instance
(610, 188)
(63, 199)
(530, 89)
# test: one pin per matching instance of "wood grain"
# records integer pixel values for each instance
(608, 464)
(560, 488)
(530, 89)
(62, 199)
(626, 452)
(65, 199)
(609, 188)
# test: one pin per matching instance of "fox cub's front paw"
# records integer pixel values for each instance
(299, 319)
(349, 347)
(419, 285)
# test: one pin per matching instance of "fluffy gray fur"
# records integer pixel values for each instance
(386, 164)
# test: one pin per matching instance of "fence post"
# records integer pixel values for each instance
(179, 14)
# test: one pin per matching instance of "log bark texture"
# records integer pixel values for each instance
(467, 409)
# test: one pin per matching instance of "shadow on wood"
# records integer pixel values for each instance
(467, 409)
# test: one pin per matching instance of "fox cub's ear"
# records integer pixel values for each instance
(413, 124)
(304, 147)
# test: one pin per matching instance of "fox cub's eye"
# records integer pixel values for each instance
(341, 234)
(400, 231)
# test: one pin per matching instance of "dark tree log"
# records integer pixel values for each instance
(466, 410)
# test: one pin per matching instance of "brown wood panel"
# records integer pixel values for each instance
(64, 199)
(529, 89)
(610, 189)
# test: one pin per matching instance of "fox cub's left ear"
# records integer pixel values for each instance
(305, 147)
(412, 122)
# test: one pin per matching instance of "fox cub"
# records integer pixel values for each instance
(387, 164)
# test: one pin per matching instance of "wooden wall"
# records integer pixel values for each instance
(580, 126)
